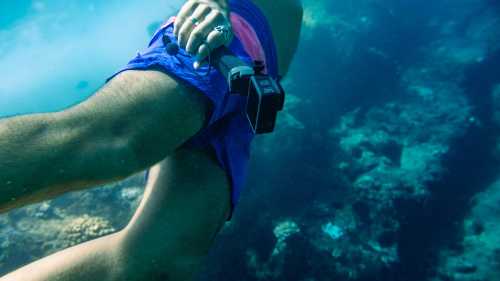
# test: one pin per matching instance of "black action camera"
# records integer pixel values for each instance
(265, 96)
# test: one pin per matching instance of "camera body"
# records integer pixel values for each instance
(265, 99)
(265, 96)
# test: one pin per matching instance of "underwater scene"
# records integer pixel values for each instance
(384, 165)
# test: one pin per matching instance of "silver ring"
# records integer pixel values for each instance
(194, 21)
(225, 31)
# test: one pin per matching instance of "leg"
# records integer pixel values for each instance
(185, 204)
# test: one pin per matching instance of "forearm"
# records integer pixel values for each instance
(34, 153)
(93, 260)
(45, 155)
(133, 122)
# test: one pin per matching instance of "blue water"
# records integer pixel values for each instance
(384, 165)
(56, 53)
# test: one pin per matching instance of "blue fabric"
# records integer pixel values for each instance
(227, 130)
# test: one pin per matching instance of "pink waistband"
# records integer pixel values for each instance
(248, 37)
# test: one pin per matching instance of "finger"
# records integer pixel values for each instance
(200, 33)
(203, 52)
(188, 26)
(183, 15)
(215, 40)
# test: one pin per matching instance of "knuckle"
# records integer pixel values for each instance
(177, 29)
(191, 4)
(206, 30)
(178, 20)
(182, 34)
(218, 16)
(197, 36)
(186, 29)
(203, 8)
(214, 39)
(183, 28)
(182, 38)
(212, 16)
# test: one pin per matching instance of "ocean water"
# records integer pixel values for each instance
(384, 164)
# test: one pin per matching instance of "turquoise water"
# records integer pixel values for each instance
(384, 165)
(56, 53)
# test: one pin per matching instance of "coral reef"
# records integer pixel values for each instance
(478, 257)
(377, 189)
(38, 230)
(81, 229)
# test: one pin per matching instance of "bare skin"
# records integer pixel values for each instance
(285, 18)
(187, 199)
(110, 136)
(185, 204)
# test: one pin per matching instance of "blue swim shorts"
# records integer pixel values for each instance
(227, 130)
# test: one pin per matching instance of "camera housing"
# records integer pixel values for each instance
(265, 95)
(265, 99)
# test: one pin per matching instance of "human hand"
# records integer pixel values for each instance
(203, 26)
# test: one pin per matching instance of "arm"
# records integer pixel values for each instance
(132, 123)
(135, 121)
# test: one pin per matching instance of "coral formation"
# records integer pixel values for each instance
(81, 229)
(38, 230)
(478, 258)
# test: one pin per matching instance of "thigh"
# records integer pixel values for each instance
(186, 202)
(197, 189)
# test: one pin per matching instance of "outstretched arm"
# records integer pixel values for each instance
(135, 121)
